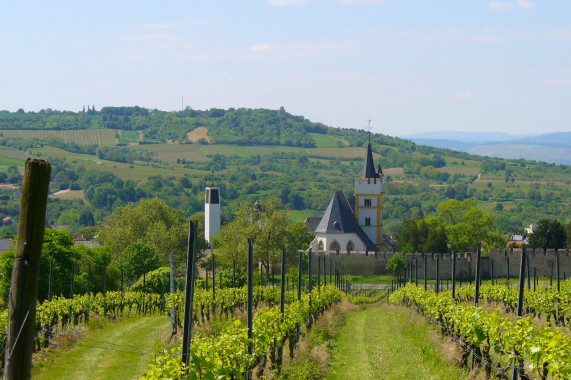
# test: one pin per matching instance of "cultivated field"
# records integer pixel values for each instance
(101, 137)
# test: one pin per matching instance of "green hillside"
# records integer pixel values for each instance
(123, 154)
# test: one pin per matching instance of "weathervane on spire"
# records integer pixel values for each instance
(212, 177)
(369, 129)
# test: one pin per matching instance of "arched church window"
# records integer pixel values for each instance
(320, 245)
(350, 246)
(334, 246)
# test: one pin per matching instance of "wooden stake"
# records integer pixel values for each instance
(26, 271)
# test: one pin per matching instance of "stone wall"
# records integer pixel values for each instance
(499, 262)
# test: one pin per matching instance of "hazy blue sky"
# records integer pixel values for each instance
(410, 66)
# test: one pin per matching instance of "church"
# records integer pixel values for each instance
(356, 224)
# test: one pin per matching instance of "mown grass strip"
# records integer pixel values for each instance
(389, 342)
(119, 351)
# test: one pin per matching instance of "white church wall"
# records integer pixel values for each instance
(342, 239)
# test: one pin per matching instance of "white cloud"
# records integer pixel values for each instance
(261, 47)
(509, 6)
(301, 49)
(152, 37)
(489, 35)
(501, 6)
(463, 95)
(280, 3)
(354, 2)
(558, 82)
(524, 4)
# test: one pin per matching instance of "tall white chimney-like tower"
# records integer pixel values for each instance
(211, 213)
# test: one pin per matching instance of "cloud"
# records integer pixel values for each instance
(152, 37)
(501, 6)
(301, 49)
(509, 6)
(524, 4)
(281, 3)
(558, 82)
(261, 47)
(356, 2)
(462, 95)
(489, 35)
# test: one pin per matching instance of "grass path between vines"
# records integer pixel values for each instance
(390, 342)
(110, 353)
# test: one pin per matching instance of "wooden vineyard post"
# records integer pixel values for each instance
(282, 307)
(492, 270)
(415, 270)
(250, 302)
(50, 280)
(88, 279)
(517, 367)
(171, 288)
(478, 270)
(189, 292)
(425, 264)
(330, 269)
(71, 290)
(299, 277)
(162, 294)
(453, 274)
(233, 283)
(213, 285)
(534, 278)
(551, 276)
(104, 290)
(310, 287)
(25, 273)
(557, 264)
(527, 270)
(324, 271)
(508, 271)
(318, 273)
(437, 273)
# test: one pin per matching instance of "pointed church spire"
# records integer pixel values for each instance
(369, 169)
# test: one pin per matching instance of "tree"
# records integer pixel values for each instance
(396, 265)
(436, 241)
(151, 222)
(137, 260)
(451, 211)
(58, 246)
(548, 234)
(266, 223)
(569, 235)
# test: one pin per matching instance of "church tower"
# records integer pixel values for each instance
(369, 200)
(211, 213)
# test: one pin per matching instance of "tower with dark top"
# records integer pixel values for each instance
(369, 200)
(211, 213)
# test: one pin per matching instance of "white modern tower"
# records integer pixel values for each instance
(211, 213)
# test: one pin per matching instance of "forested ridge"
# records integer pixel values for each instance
(110, 157)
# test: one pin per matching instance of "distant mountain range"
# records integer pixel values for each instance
(551, 147)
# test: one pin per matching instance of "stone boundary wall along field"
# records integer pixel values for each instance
(502, 260)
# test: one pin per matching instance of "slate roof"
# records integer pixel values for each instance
(312, 222)
(369, 169)
(339, 218)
